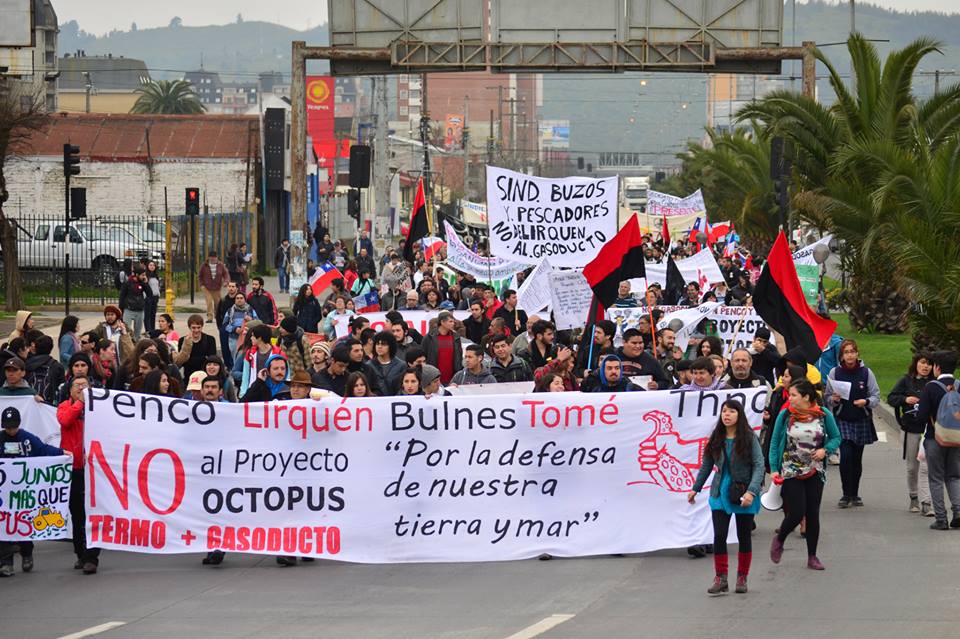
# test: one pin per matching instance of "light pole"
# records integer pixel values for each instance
(820, 255)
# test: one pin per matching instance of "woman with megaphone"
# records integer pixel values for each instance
(734, 450)
(802, 438)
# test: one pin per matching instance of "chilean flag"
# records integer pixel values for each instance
(431, 246)
(719, 231)
(367, 303)
(323, 277)
(698, 225)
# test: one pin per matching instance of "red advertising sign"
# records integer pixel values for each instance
(320, 125)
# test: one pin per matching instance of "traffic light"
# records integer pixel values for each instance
(71, 160)
(78, 203)
(193, 201)
(353, 204)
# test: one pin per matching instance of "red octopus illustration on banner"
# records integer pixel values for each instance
(661, 452)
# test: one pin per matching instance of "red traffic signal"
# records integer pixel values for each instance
(193, 201)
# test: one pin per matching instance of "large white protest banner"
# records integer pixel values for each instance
(35, 498)
(726, 319)
(534, 294)
(39, 419)
(570, 298)
(402, 479)
(460, 257)
(699, 267)
(567, 219)
(419, 320)
(665, 204)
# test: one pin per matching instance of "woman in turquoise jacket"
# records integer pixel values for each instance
(802, 438)
(734, 450)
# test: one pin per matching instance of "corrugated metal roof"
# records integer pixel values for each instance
(115, 137)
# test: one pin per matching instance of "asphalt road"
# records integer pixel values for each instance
(888, 576)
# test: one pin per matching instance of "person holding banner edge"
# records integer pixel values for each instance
(734, 451)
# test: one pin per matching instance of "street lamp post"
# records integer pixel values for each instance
(820, 255)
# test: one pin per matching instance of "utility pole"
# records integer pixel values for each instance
(425, 141)
(500, 122)
(513, 130)
(466, 145)
(490, 141)
(853, 17)
(381, 155)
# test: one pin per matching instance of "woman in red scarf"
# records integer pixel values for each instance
(104, 361)
(802, 438)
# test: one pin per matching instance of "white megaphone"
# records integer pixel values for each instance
(771, 500)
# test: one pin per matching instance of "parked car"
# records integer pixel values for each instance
(92, 246)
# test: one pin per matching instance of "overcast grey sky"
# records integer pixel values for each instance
(100, 16)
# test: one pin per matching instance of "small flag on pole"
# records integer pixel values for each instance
(323, 277)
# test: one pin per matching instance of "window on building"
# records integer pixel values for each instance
(404, 110)
(404, 94)
(414, 93)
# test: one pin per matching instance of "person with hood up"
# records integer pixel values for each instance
(271, 382)
(24, 324)
(610, 377)
(473, 371)
(294, 344)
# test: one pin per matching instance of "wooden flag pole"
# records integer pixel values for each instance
(736, 335)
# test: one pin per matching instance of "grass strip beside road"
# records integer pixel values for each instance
(887, 355)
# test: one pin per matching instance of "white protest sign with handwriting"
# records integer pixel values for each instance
(567, 220)
(35, 498)
(570, 297)
(534, 294)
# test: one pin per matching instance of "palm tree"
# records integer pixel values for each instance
(837, 151)
(169, 97)
(734, 172)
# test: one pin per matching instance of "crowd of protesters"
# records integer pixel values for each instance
(306, 345)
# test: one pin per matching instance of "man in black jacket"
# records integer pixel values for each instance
(477, 325)
(507, 367)
(334, 379)
(943, 462)
(225, 305)
(740, 374)
(765, 355)
(637, 361)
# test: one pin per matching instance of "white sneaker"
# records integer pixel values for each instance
(834, 459)
(927, 510)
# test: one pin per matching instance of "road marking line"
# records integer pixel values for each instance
(95, 630)
(882, 436)
(541, 626)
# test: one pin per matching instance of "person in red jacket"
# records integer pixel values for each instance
(70, 414)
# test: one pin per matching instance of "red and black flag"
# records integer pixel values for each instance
(418, 228)
(676, 286)
(620, 259)
(779, 300)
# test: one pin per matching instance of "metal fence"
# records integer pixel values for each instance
(100, 247)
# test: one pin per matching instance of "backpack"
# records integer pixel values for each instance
(946, 428)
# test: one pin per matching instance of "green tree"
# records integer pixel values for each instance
(168, 97)
(836, 151)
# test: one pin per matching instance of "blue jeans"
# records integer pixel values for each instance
(284, 278)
